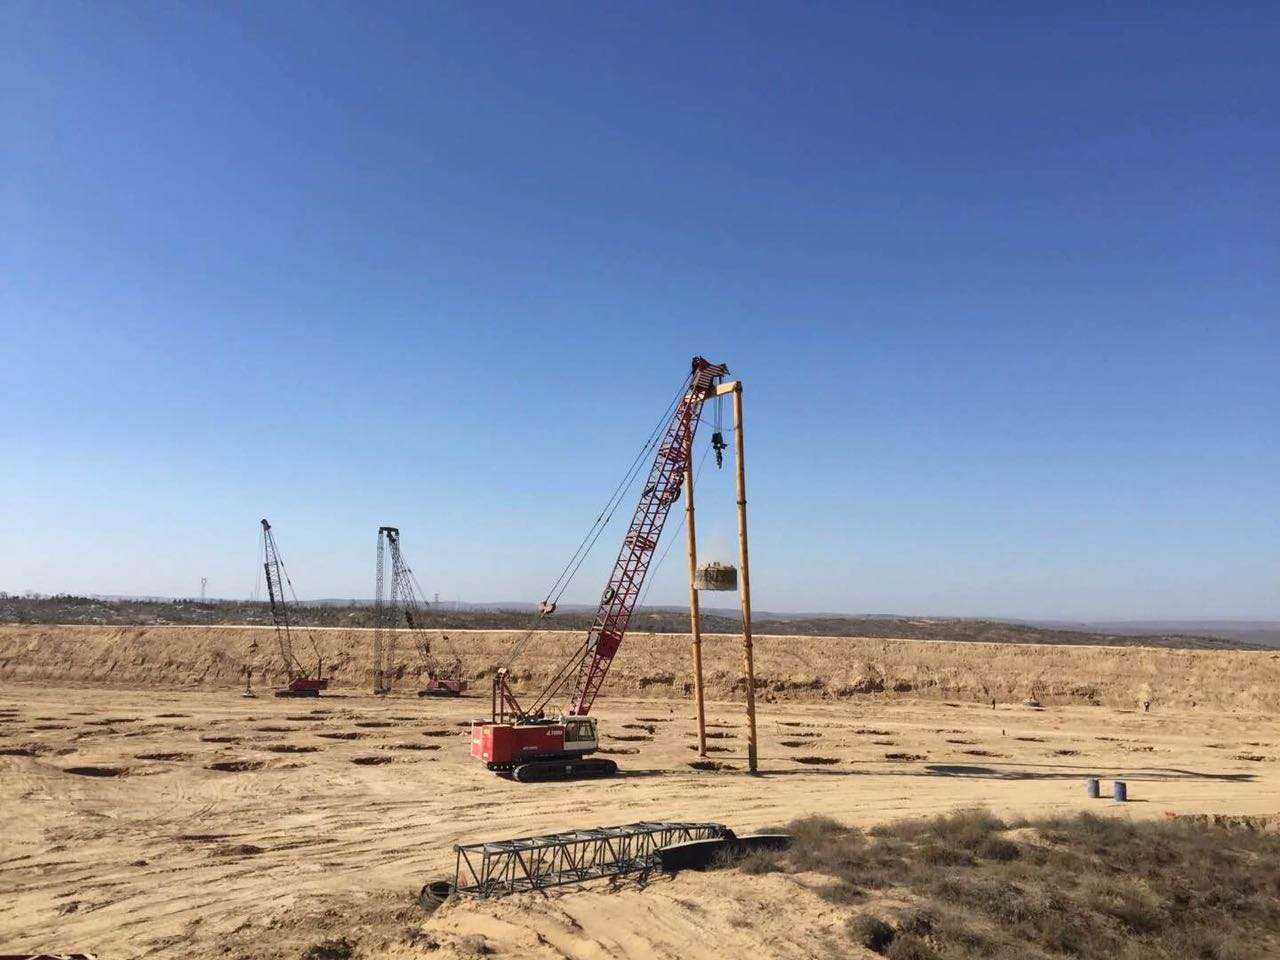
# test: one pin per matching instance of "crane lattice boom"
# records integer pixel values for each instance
(402, 606)
(661, 490)
(279, 608)
(301, 684)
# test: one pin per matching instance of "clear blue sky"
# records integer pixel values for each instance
(1001, 281)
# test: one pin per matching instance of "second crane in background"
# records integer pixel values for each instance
(399, 607)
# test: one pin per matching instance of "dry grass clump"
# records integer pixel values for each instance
(1081, 887)
(758, 862)
(870, 932)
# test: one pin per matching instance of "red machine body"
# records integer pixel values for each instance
(531, 750)
(304, 687)
(529, 743)
(443, 687)
(499, 744)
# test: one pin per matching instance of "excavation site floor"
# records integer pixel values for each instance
(158, 823)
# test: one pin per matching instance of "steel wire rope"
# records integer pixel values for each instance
(296, 602)
(416, 597)
(629, 482)
(257, 566)
(597, 528)
(562, 676)
(615, 499)
(569, 668)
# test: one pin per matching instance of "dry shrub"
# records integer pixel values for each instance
(911, 947)
(998, 848)
(966, 826)
(1094, 888)
(759, 862)
(870, 932)
(823, 845)
(337, 949)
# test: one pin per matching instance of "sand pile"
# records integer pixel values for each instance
(809, 669)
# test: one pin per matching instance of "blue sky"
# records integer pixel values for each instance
(1001, 282)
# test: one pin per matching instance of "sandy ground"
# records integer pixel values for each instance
(152, 823)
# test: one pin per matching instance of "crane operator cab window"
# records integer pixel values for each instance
(580, 733)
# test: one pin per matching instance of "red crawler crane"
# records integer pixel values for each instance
(528, 743)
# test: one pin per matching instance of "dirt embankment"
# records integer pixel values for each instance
(658, 665)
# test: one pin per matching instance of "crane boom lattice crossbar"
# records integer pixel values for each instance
(537, 863)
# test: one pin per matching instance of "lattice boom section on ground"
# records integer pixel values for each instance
(536, 863)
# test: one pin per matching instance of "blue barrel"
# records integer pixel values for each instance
(1120, 791)
(1093, 788)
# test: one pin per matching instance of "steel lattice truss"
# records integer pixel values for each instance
(273, 566)
(399, 607)
(666, 477)
(536, 863)
(384, 614)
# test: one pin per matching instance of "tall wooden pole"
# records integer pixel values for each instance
(744, 578)
(695, 615)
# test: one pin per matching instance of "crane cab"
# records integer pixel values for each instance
(580, 735)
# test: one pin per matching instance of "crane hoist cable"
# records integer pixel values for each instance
(611, 506)
(594, 531)
(625, 583)
(570, 667)
(307, 630)
(257, 566)
(717, 437)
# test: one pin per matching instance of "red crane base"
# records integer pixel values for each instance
(538, 751)
(304, 687)
(443, 688)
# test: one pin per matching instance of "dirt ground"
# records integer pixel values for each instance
(161, 823)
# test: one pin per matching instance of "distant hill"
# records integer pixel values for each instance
(1262, 632)
(359, 613)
